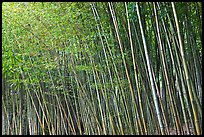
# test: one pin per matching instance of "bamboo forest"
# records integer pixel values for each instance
(101, 68)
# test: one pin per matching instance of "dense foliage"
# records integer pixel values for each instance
(101, 68)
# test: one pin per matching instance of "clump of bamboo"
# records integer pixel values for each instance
(114, 69)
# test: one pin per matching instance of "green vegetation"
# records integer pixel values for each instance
(97, 68)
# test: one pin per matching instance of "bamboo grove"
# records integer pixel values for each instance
(101, 68)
